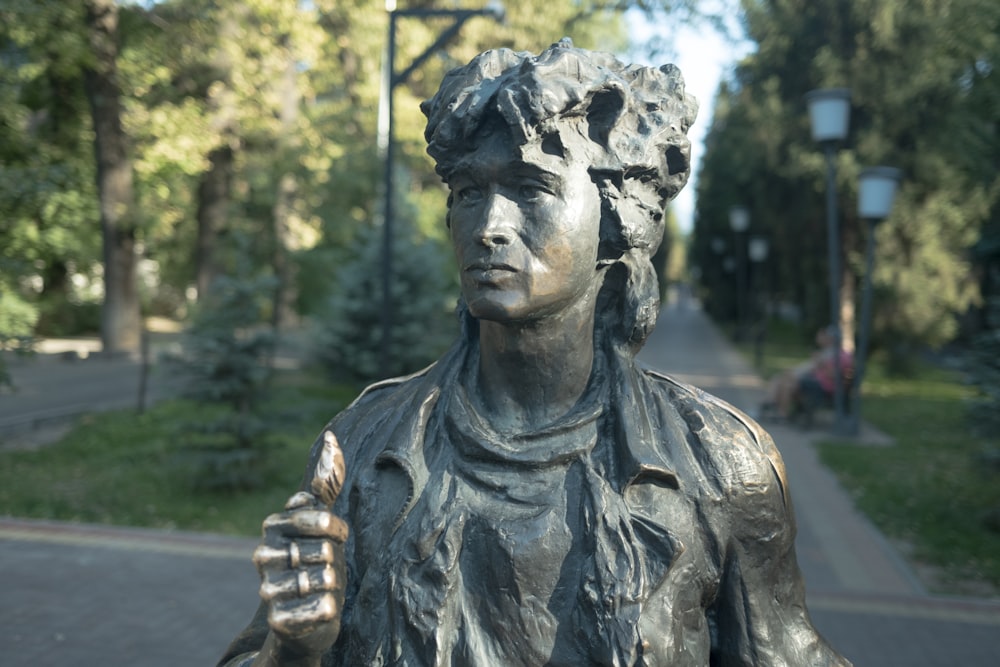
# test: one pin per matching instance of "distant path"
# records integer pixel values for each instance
(50, 391)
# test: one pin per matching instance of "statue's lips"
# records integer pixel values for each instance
(488, 272)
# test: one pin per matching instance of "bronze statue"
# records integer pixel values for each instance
(534, 498)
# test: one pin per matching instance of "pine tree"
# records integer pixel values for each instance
(422, 300)
(225, 364)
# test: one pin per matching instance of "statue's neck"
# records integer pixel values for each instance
(531, 374)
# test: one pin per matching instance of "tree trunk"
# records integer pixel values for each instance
(284, 312)
(215, 184)
(121, 322)
(848, 288)
(213, 206)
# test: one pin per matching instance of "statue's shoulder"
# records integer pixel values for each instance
(382, 400)
(727, 442)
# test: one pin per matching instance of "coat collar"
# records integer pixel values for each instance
(641, 454)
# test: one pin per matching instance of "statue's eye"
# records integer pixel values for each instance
(468, 194)
(532, 192)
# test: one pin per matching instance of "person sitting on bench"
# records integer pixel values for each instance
(814, 377)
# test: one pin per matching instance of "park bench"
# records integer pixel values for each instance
(811, 400)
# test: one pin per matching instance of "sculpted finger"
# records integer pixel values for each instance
(306, 522)
(296, 554)
(299, 584)
(299, 617)
(300, 500)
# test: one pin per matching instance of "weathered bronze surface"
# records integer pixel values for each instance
(534, 498)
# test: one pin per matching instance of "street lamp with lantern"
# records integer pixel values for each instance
(386, 139)
(876, 193)
(757, 249)
(739, 222)
(829, 111)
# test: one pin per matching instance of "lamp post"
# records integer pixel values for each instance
(757, 249)
(829, 110)
(386, 140)
(739, 222)
(876, 193)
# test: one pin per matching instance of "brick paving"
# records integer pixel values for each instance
(101, 596)
(105, 596)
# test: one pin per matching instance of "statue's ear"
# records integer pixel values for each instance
(602, 113)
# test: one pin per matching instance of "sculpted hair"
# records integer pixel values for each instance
(635, 120)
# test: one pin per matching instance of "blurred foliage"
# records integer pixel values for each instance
(226, 358)
(48, 202)
(273, 103)
(924, 99)
(17, 321)
(983, 367)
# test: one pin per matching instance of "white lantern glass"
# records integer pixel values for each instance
(757, 249)
(829, 112)
(739, 218)
(877, 191)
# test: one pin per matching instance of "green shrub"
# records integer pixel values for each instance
(17, 323)
(226, 363)
(984, 371)
(423, 299)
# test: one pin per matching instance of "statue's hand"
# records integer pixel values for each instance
(301, 564)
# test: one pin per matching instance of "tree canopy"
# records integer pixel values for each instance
(923, 98)
(259, 120)
(176, 124)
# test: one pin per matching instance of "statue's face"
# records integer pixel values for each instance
(525, 231)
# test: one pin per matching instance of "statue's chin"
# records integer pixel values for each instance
(495, 308)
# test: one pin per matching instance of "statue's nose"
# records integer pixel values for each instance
(498, 221)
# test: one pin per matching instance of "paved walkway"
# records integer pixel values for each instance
(861, 594)
(102, 596)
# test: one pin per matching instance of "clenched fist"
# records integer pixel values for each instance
(301, 564)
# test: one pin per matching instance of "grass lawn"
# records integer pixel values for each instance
(934, 489)
(128, 469)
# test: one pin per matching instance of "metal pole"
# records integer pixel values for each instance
(385, 357)
(392, 79)
(866, 325)
(741, 280)
(833, 243)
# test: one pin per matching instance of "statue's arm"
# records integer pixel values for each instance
(761, 616)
